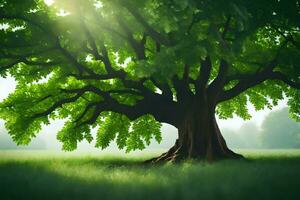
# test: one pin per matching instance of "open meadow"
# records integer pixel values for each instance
(267, 174)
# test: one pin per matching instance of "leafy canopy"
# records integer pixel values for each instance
(119, 65)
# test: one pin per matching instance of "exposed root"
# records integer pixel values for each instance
(165, 158)
(175, 154)
(178, 156)
(234, 155)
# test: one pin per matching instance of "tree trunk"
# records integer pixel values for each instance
(199, 137)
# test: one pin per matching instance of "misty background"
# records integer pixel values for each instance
(267, 129)
(276, 131)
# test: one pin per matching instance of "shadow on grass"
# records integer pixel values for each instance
(115, 178)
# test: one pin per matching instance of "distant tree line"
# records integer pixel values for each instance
(277, 131)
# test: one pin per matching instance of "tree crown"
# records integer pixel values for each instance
(124, 66)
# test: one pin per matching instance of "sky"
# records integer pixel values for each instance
(169, 133)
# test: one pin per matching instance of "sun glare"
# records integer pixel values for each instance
(62, 13)
(49, 2)
(88, 58)
(98, 4)
(18, 28)
(4, 26)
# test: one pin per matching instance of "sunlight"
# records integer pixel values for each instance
(62, 13)
(4, 26)
(111, 81)
(33, 10)
(89, 58)
(18, 28)
(7, 27)
(125, 63)
(98, 4)
(49, 2)
(45, 79)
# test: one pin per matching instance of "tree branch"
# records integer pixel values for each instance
(150, 31)
(250, 81)
(164, 87)
(87, 108)
(74, 61)
(6, 67)
(138, 47)
(29, 21)
(57, 105)
(186, 73)
(288, 38)
(217, 84)
(242, 86)
(52, 36)
(280, 76)
(203, 77)
(23, 56)
(106, 60)
(28, 62)
(92, 42)
(109, 104)
(117, 74)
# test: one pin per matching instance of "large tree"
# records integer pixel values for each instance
(125, 66)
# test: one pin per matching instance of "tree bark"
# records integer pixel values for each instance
(199, 136)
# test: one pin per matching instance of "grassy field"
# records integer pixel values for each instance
(51, 175)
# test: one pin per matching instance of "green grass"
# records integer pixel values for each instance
(50, 175)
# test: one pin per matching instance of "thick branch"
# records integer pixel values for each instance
(164, 87)
(186, 73)
(242, 86)
(285, 79)
(155, 105)
(250, 81)
(218, 83)
(204, 74)
(6, 67)
(182, 89)
(106, 61)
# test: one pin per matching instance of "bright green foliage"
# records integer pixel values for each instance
(143, 129)
(130, 135)
(100, 64)
(112, 125)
